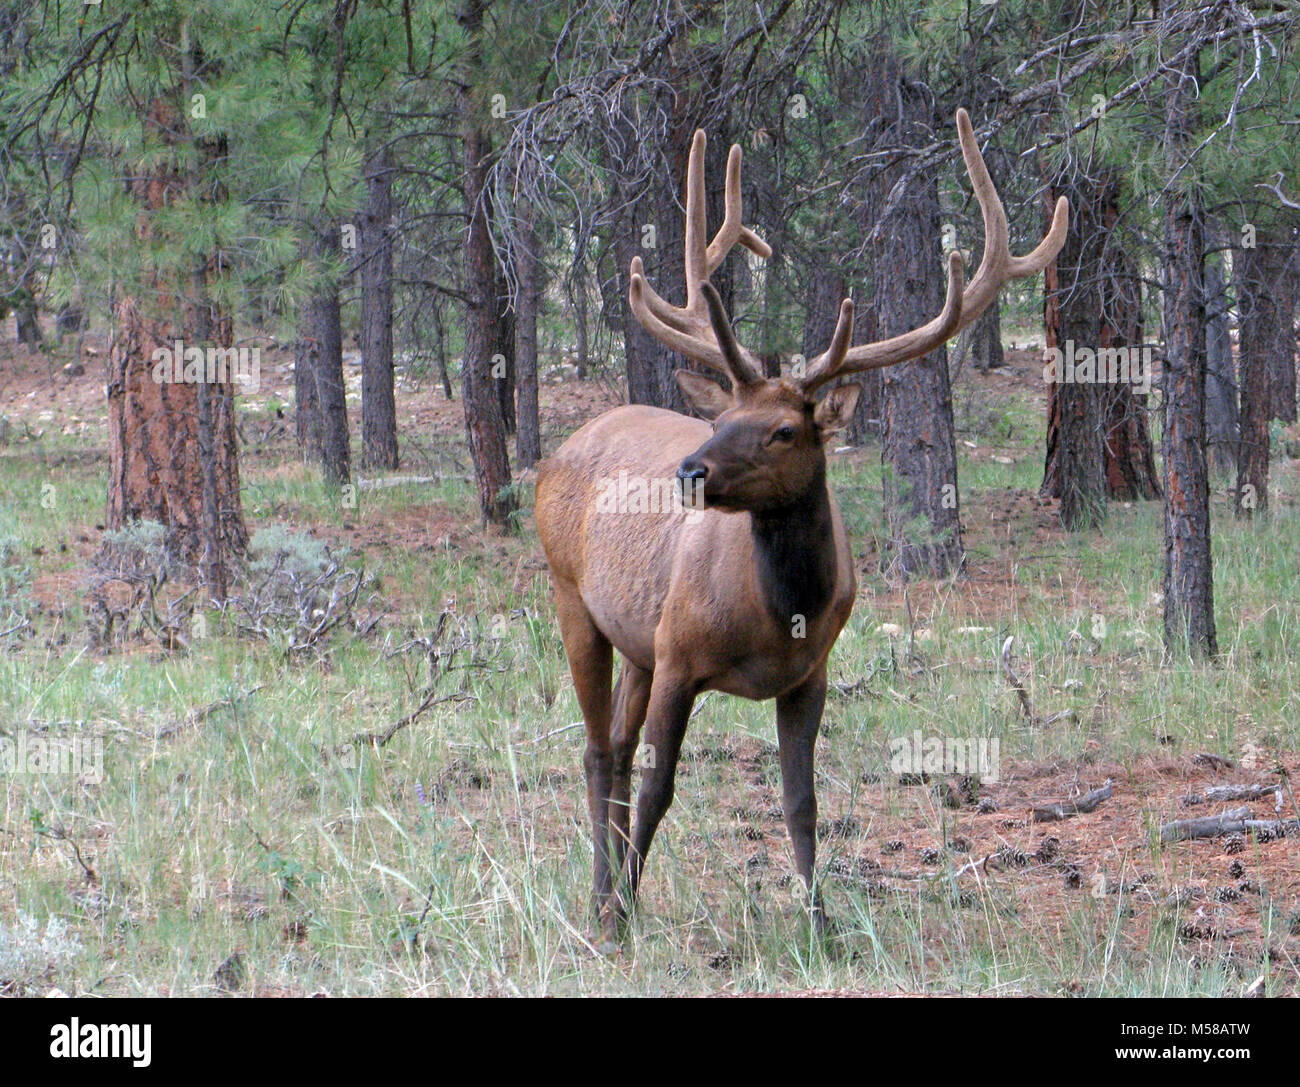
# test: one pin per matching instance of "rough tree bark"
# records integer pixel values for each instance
(576, 287)
(1075, 470)
(318, 366)
(157, 466)
(484, 425)
(1108, 292)
(378, 399)
(1220, 376)
(1189, 570)
(1130, 457)
(986, 341)
(1282, 358)
(1262, 337)
(917, 441)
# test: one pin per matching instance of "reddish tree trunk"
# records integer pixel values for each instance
(159, 469)
(1099, 309)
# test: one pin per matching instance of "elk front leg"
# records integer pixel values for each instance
(671, 697)
(798, 717)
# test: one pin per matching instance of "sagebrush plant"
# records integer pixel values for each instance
(34, 956)
(138, 549)
(296, 554)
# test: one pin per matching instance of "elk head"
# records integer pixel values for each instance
(766, 452)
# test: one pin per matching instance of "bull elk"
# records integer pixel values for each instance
(747, 592)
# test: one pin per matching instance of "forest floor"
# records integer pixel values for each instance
(239, 841)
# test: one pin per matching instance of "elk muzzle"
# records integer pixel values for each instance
(691, 476)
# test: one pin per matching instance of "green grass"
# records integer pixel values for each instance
(233, 834)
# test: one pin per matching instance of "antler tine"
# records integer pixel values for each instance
(997, 265)
(733, 230)
(961, 308)
(690, 329)
(909, 345)
(697, 250)
(833, 357)
(731, 350)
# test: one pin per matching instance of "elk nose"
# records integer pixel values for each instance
(691, 470)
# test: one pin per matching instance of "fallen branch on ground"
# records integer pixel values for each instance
(1219, 794)
(379, 739)
(1050, 813)
(1215, 762)
(201, 714)
(1234, 821)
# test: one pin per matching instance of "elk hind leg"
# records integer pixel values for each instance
(591, 662)
(631, 698)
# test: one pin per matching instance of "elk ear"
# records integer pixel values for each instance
(835, 410)
(707, 397)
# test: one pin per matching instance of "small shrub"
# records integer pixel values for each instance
(30, 957)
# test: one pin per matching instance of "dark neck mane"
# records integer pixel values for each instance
(795, 546)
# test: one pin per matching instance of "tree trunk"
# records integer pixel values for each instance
(26, 321)
(440, 348)
(1282, 356)
(528, 438)
(159, 470)
(378, 399)
(503, 354)
(323, 412)
(1101, 312)
(1072, 308)
(1220, 378)
(1130, 458)
(306, 412)
(1188, 581)
(917, 442)
(1262, 338)
(484, 425)
(986, 341)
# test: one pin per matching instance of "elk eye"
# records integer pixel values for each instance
(784, 434)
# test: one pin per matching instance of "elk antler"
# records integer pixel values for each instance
(960, 308)
(689, 329)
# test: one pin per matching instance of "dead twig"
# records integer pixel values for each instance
(379, 739)
(1017, 684)
(202, 713)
